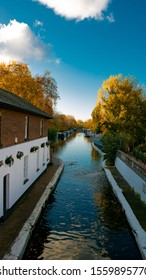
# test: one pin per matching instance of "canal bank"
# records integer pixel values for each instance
(17, 249)
(138, 232)
(81, 219)
(16, 230)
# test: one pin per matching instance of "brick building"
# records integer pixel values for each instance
(24, 149)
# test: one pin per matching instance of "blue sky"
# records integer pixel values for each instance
(82, 43)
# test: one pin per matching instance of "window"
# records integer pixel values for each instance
(48, 153)
(38, 161)
(44, 156)
(5, 193)
(26, 128)
(41, 128)
(25, 169)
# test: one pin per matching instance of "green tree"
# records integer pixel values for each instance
(52, 133)
(114, 141)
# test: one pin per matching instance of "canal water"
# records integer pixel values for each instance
(83, 220)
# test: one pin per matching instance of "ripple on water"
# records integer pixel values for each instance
(83, 219)
(69, 246)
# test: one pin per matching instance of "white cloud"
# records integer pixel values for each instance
(57, 60)
(18, 42)
(38, 23)
(78, 9)
(110, 18)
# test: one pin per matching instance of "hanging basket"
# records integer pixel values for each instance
(9, 161)
(19, 154)
(34, 149)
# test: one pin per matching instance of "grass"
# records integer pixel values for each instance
(133, 198)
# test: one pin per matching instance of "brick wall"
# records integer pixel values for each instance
(13, 126)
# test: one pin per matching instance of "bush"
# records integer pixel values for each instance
(113, 142)
(111, 145)
(139, 155)
(52, 134)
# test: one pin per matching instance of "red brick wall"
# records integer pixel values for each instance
(13, 126)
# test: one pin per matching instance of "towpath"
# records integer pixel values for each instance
(11, 226)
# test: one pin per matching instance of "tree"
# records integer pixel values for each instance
(88, 124)
(71, 122)
(50, 92)
(52, 133)
(80, 124)
(120, 108)
(39, 90)
(114, 141)
(98, 113)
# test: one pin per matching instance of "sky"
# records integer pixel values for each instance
(81, 42)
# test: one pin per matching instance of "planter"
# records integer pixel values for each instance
(47, 144)
(42, 145)
(19, 154)
(9, 161)
(34, 149)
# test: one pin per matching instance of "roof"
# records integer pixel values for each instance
(11, 101)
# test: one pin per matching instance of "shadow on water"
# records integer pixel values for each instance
(83, 219)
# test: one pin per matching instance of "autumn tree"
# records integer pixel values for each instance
(50, 93)
(63, 122)
(71, 122)
(40, 90)
(59, 121)
(80, 124)
(120, 108)
(88, 124)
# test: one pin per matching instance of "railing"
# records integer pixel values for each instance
(133, 164)
(139, 155)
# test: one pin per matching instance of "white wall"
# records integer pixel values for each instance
(133, 179)
(16, 171)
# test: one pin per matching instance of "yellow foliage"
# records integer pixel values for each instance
(17, 78)
(120, 106)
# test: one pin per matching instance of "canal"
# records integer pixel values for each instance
(82, 220)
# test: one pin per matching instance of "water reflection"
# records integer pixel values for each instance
(95, 156)
(83, 219)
